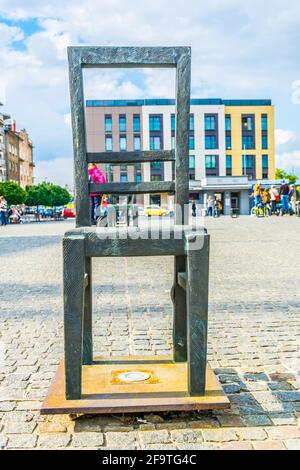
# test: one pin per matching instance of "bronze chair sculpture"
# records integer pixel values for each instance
(190, 288)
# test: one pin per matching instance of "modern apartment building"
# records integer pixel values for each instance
(231, 144)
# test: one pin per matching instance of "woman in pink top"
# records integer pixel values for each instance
(95, 176)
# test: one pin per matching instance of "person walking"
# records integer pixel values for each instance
(284, 196)
(293, 197)
(210, 206)
(265, 197)
(194, 208)
(3, 211)
(274, 198)
(257, 194)
(95, 176)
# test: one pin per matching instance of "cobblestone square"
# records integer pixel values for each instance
(254, 338)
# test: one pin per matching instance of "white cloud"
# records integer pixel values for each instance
(284, 136)
(289, 161)
(58, 171)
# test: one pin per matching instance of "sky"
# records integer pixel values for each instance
(239, 50)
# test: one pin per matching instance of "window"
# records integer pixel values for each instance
(123, 143)
(247, 142)
(264, 122)
(265, 166)
(155, 143)
(248, 160)
(173, 122)
(138, 178)
(123, 178)
(122, 123)
(137, 142)
(108, 123)
(247, 123)
(210, 123)
(154, 123)
(264, 141)
(191, 122)
(228, 142)
(228, 165)
(228, 123)
(155, 165)
(108, 143)
(210, 142)
(191, 142)
(172, 142)
(210, 162)
(192, 162)
(136, 123)
(155, 177)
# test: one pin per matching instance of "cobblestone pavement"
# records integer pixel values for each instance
(254, 336)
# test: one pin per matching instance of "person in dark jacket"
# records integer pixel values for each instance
(284, 196)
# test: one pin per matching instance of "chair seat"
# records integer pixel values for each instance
(135, 241)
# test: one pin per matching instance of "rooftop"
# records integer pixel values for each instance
(166, 102)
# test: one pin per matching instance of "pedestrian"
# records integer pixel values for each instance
(15, 215)
(266, 198)
(3, 211)
(194, 208)
(217, 207)
(293, 197)
(284, 196)
(257, 194)
(210, 206)
(274, 197)
(95, 176)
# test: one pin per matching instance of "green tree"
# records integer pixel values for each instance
(59, 196)
(12, 192)
(283, 175)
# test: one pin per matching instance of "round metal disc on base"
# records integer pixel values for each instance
(133, 376)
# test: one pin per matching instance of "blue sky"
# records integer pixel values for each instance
(239, 50)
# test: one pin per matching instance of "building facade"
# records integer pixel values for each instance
(19, 155)
(3, 162)
(231, 145)
(25, 159)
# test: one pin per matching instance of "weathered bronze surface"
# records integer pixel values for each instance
(101, 394)
(186, 382)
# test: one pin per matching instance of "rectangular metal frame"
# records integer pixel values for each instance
(99, 57)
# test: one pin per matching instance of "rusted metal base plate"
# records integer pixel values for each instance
(102, 393)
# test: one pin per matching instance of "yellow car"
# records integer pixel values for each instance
(152, 211)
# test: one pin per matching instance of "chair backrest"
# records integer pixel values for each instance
(99, 57)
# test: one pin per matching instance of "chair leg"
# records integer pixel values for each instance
(87, 358)
(197, 311)
(180, 313)
(73, 273)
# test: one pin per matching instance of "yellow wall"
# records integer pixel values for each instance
(236, 139)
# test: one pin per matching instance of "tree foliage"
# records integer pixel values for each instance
(283, 175)
(12, 192)
(47, 194)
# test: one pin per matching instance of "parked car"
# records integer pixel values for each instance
(67, 212)
(153, 210)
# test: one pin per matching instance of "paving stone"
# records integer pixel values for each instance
(13, 427)
(283, 432)
(219, 435)
(256, 420)
(120, 440)
(189, 436)
(88, 439)
(237, 446)
(231, 421)
(27, 441)
(282, 419)
(54, 441)
(7, 405)
(292, 444)
(269, 445)
(288, 396)
(251, 434)
(155, 437)
(51, 426)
